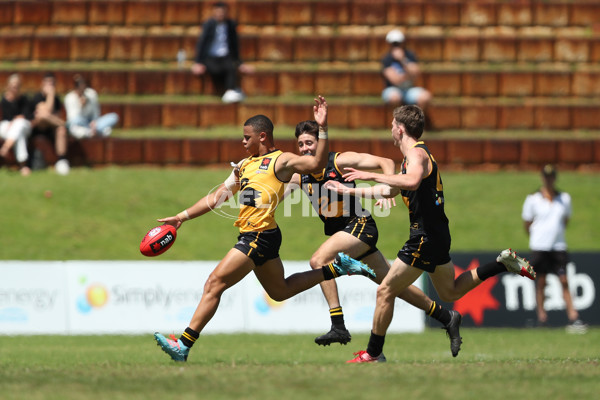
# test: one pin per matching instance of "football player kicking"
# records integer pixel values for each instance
(260, 179)
(352, 230)
(428, 246)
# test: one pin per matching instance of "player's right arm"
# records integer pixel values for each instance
(365, 161)
(208, 202)
(351, 159)
(418, 166)
(372, 192)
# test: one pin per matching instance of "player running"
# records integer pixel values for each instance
(352, 230)
(260, 179)
(428, 246)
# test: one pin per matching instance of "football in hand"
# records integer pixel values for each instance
(158, 240)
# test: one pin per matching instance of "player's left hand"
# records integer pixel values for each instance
(320, 110)
(354, 174)
(173, 221)
(336, 186)
(385, 203)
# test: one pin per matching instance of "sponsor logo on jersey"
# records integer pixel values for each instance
(265, 163)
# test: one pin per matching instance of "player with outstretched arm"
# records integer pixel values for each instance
(428, 246)
(353, 231)
(260, 180)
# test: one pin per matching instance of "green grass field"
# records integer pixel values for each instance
(96, 214)
(493, 364)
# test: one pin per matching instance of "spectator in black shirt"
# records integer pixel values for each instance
(218, 54)
(46, 120)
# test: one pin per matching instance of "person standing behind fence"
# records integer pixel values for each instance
(83, 112)
(546, 214)
(15, 128)
(218, 54)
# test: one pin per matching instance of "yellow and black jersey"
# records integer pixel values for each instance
(260, 193)
(426, 204)
(333, 209)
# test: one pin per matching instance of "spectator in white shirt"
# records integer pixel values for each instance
(83, 112)
(546, 214)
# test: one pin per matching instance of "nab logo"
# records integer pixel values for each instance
(332, 174)
(162, 242)
(265, 164)
(475, 302)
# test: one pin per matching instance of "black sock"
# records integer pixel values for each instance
(329, 272)
(490, 269)
(440, 313)
(189, 336)
(375, 346)
(337, 318)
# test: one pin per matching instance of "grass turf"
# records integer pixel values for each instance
(98, 214)
(493, 364)
(103, 214)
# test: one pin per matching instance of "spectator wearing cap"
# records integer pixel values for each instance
(546, 213)
(400, 69)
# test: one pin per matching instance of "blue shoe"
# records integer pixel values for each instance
(346, 265)
(173, 347)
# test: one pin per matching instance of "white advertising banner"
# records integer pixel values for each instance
(33, 297)
(99, 297)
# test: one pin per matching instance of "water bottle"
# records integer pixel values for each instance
(181, 56)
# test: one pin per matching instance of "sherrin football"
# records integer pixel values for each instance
(158, 240)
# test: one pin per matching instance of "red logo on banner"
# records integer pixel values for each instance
(479, 299)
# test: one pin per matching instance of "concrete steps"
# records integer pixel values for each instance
(467, 113)
(467, 153)
(304, 12)
(445, 80)
(506, 44)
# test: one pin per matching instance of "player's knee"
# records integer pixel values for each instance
(385, 293)
(214, 286)
(316, 262)
(449, 297)
(278, 295)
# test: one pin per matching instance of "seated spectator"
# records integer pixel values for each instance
(45, 118)
(218, 54)
(14, 127)
(400, 70)
(83, 112)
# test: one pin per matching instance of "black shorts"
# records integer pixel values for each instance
(48, 132)
(365, 230)
(425, 253)
(260, 247)
(549, 262)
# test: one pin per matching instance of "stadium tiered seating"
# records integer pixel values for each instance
(491, 64)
